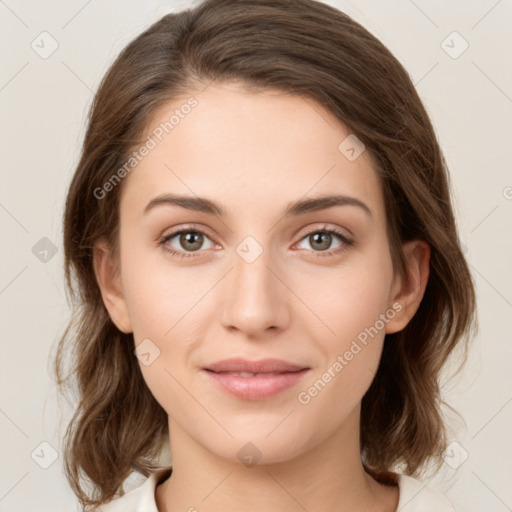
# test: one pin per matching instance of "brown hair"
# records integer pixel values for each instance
(301, 47)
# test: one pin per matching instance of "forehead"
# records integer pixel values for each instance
(250, 149)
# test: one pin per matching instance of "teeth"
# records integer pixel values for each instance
(248, 374)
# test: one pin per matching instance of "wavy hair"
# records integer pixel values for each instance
(301, 47)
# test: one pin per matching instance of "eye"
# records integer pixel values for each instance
(321, 239)
(191, 240)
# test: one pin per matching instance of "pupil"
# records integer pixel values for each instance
(189, 239)
(318, 238)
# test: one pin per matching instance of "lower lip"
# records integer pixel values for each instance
(256, 388)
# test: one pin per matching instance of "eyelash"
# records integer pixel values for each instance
(179, 254)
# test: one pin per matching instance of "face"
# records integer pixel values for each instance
(311, 287)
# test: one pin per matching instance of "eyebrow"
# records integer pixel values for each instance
(300, 207)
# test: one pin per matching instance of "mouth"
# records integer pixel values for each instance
(249, 374)
(255, 380)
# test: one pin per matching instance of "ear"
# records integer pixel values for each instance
(407, 293)
(109, 280)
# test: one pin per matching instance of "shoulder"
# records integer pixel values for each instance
(416, 496)
(140, 499)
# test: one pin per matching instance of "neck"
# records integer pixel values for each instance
(329, 477)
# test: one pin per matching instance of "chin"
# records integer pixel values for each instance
(255, 446)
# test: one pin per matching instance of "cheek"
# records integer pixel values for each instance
(353, 306)
(157, 295)
(161, 304)
(350, 354)
(350, 299)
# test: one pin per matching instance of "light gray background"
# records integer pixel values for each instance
(44, 104)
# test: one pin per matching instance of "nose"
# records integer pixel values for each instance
(255, 297)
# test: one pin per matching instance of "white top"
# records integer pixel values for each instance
(414, 496)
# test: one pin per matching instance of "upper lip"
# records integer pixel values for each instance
(239, 364)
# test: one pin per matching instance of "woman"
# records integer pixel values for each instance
(267, 272)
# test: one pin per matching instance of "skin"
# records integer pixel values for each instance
(255, 153)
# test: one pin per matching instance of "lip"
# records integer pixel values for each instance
(276, 376)
(239, 364)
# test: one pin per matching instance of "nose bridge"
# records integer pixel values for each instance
(255, 296)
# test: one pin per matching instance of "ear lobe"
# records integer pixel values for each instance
(109, 282)
(409, 292)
